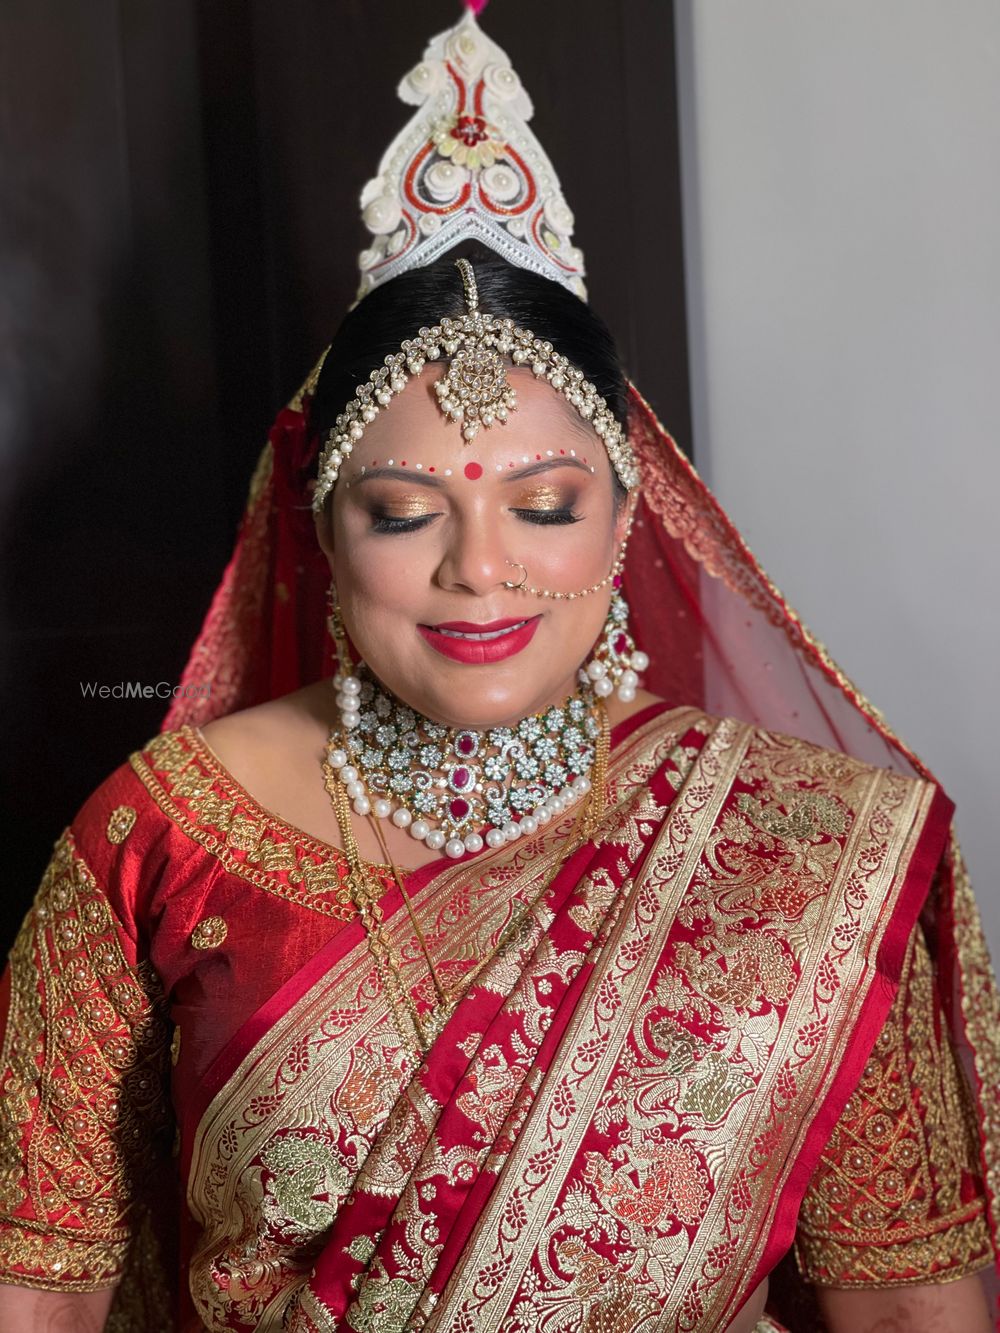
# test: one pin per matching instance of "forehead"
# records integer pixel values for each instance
(414, 430)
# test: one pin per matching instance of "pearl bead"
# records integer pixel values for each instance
(473, 842)
(629, 679)
(542, 815)
(350, 718)
(640, 661)
(454, 848)
(435, 840)
(347, 701)
(338, 758)
(355, 790)
(626, 694)
(351, 685)
(362, 805)
(581, 785)
(419, 829)
(382, 808)
(529, 825)
(402, 818)
(556, 804)
(495, 838)
(567, 796)
(603, 687)
(511, 831)
(338, 679)
(348, 773)
(596, 669)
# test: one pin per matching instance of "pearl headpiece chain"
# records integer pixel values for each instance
(475, 391)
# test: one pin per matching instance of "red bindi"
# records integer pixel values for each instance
(473, 471)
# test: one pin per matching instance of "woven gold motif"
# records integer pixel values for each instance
(334, 1066)
(120, 823)
(209, 933)
(886, 1205)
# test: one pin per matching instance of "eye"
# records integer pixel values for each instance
(546, 516)
(386, 523)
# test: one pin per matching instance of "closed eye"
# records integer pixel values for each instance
(386, 523)
(548, 516)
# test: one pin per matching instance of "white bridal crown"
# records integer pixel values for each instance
(467, 167)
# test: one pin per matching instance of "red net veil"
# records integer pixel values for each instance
(717, 631)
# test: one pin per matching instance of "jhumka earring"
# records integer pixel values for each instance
(615, 662)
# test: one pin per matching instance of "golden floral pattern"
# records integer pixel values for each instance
(83, 1105)
(336, 1069)
(708, 1029)
(195, 791)
(209, 933)
(121, 821)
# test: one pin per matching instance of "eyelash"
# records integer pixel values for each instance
(385, 523)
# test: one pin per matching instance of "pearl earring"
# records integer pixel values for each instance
(615, 663)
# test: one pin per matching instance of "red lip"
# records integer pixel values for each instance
(484, 652)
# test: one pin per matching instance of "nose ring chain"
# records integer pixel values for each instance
(610, 577)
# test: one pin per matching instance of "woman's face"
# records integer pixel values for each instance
(426, 528)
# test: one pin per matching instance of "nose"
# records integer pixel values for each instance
(475, 559)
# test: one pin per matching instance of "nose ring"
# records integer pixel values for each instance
(524, 576)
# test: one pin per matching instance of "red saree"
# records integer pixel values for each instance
(664, 1050)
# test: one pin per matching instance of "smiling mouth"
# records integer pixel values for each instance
(482, 643)
(481, 636)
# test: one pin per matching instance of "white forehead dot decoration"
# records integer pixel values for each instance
(471, 399)
(467, 167)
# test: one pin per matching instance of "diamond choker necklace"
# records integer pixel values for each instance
(444, 784)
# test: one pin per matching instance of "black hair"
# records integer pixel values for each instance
(396, 310)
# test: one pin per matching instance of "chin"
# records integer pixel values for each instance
(478, 705)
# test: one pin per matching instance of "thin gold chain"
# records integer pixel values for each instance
(365, 888)
(442, 994)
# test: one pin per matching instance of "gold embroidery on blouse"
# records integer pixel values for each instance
(82, 1088)
(120, 823)
(980, 1015)
(193, 791)
(885, 1205)
(209, 933)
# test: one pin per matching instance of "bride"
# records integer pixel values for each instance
(532, 929)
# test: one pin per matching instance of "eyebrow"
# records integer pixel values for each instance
(435, 483)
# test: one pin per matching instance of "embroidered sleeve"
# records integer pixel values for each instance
(84, 1120)
(898, 1196)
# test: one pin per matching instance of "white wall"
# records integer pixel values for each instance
(842, 201)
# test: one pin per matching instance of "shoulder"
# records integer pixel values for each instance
(254, 737)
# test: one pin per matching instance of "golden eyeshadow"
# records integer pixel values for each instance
(407, 506)
(544, 497)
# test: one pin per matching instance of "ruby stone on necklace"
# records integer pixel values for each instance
(446, 784)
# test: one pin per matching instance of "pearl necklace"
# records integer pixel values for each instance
(443, 784)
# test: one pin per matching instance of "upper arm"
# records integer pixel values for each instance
(85, 1126)
(898, 1197)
